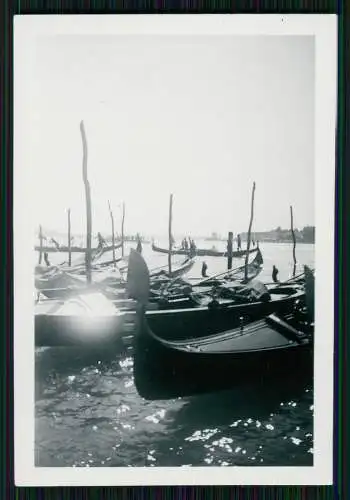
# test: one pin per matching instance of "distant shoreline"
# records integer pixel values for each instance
(306, 235)
(209, 240)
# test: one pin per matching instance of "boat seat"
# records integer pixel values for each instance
(285, 328)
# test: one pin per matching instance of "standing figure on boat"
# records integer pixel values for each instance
(192, 248)
(239, 243)
(204, 270)
(46, 259)
(139, 244)
(229, 250)
(275, 274)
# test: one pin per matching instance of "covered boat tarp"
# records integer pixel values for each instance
(253, 291)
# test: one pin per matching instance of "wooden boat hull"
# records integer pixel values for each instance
(66, 285)
(254, 268)
(184, 268)
(164, 371)
(59, 331)
(194, 322)
(178, 298)
(86, 320)
(56, 327)
(203, 252)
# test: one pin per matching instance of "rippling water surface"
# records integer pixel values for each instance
(88, 412)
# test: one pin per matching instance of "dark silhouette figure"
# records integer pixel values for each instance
(185, 244)
(192, 248)
(239, 243)
(229, 250)
(204, 270)
(46, 259)
(139, 245)
(275, 274)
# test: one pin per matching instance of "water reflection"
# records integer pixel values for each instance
(97, 407)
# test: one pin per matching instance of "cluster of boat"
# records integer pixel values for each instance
(188, 335)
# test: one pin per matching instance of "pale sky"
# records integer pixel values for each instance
(201, 117)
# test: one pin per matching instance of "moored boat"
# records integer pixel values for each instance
(203, 252)
(273, 346)
(216, 314)
(228, 355)
(85, 320)
(188, 293)
(61, 283)
(238, 275)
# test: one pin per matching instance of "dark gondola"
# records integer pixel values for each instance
(175, 273)
(237, 275)
(210, 315)
(194, 293)
(58, 283)
(86, 320)
(227, 356)
(202, 252)
(269, 347)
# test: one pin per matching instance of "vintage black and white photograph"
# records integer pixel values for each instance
(167, 186)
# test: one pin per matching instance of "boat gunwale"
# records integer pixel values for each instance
(298, 293)
(182, 346)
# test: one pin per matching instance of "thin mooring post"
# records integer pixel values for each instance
(41, 244)
(69, 240)
(294, 242)
(88, 205)
(113, 237)
(248, 235)
(123, 219)
(170, 232)
(229, 250)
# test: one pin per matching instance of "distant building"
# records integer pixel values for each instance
(279, 235)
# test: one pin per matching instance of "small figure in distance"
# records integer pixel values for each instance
(46, 259)
(139, 245)
(192, 249)
(275, 274)
(204, 270)
(239, 243)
